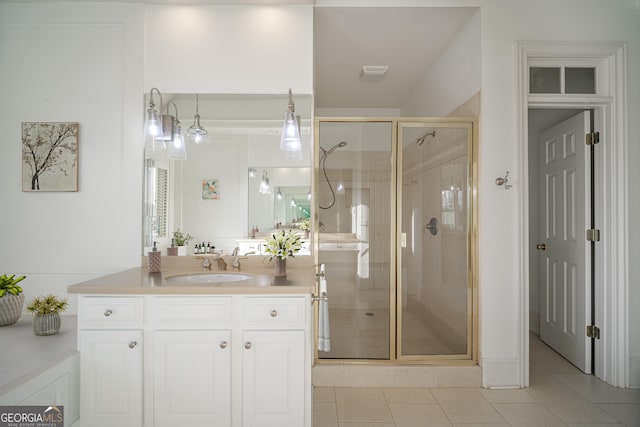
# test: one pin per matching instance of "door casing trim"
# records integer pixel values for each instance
(610, 105)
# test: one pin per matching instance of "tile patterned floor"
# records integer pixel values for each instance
(559, 395)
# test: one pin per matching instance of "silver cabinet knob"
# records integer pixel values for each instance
(274, 313)
(132, 344)
(223, 344)
(541, 247)
(108, 313)
(247, 345)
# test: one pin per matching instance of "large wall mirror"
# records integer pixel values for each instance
(217, 194)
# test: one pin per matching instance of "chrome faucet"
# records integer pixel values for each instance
(235, 265)
(206, 264)
(222, 265)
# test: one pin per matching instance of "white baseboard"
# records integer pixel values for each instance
(500, 373)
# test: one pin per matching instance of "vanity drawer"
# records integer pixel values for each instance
(110, 312)
(274, 311)
(190, 312)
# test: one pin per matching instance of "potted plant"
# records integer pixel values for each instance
(282, 245)
(11, 299)
(46, 313)
(181, 240)
(305, 225)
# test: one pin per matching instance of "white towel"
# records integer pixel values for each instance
(324, 337)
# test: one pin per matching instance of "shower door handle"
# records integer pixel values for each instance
(432, 226)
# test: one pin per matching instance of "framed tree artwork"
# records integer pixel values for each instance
(49, 156)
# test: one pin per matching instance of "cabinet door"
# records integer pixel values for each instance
(192, 374)
(111, 378)
(273, 378)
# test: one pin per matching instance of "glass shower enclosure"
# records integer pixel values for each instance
(395, 212)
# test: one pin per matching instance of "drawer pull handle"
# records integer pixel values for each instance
(247, 345)
(108, 313)
(274, 313)
(132, 344)
(223, 344)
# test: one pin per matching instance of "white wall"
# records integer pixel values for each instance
(229, 49)
(62, 62)
(453, 79)
(100, 84)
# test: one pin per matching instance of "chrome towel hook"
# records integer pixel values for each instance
(504, 181)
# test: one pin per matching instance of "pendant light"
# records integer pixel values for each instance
(154, 138)
(196, 132)
(279, 194)
(177, 148)
(290, 141)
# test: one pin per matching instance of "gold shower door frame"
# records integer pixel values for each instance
(395, 279)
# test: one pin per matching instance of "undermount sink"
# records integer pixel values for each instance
(208, 278)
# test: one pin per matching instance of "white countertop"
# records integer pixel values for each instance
(25, 356)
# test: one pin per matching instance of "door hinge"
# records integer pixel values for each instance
(592, 138)
(593, 332)
(593, 235)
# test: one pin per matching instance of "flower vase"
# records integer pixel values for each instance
(281, 267)
(46, 324)
(10, 308)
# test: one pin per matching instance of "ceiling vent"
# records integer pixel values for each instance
(373, 72)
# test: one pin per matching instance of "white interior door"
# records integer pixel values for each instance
(565, 261)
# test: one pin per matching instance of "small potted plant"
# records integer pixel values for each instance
(181, 240)
(282, 245)
(11, 299)
(305, 225)
(46, 313)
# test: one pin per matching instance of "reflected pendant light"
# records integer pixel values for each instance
(264, 184)
(279, 194)
(290, 141)
(196, 132)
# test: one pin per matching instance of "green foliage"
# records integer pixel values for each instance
(9, 285)
(304, 224)
(180, 238)
(47, 304)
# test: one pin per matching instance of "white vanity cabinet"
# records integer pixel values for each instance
(110, 340)
(209, 360)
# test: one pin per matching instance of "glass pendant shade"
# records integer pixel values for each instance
(279, 194)
(177, 148)
(290, 141)
(264, 187)
(154, 138)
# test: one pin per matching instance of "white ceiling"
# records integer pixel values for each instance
(409, 40)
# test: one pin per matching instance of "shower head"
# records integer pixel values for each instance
(420, 140)
(341, 144)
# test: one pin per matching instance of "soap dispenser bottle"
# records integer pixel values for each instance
(154, 260)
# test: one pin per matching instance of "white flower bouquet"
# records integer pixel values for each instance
(283, 244)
